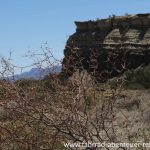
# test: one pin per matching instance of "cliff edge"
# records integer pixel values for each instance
(108, 47)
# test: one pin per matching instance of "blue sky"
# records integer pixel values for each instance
(26, 24)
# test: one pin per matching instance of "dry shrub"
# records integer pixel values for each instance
(45, 114)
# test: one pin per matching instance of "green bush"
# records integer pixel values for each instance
(138, 79)
(25, 83)
(50, 82)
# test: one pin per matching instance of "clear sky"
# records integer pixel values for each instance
(26, 24)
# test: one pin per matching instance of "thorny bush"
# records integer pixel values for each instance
(44, 114)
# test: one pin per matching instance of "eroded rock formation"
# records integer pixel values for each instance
(107, 47)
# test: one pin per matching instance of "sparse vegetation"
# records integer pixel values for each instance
(138, 79)
(45, 114)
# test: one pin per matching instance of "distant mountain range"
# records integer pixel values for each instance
(36, 73)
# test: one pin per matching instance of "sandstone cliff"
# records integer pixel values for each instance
(108, 47)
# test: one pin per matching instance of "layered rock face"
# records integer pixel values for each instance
(108, 47)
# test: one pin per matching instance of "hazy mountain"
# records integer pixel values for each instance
(36, 73)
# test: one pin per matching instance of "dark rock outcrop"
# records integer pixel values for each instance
(108, 47)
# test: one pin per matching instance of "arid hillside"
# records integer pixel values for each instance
(48, 114)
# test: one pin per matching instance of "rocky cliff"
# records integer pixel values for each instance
(108, 47)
